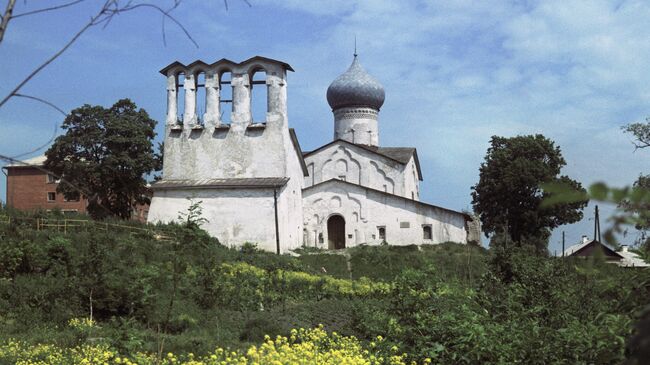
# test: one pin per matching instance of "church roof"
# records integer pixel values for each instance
(401, 155)
(296, 147)
(417, 202)
(355, 88)
(230, 183)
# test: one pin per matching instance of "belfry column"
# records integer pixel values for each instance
(241, 99)
(211, 116)
(172, 100)
(276, 97)
(189, 117)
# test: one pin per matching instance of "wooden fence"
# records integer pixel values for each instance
(74, 225)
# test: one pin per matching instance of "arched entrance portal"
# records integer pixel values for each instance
(336, 232)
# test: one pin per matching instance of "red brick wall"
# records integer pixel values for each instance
(27, 189)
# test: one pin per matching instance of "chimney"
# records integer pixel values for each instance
(623, 248)
(585, 239)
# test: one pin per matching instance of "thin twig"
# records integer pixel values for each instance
(47, 9)
(52, 58)
(56, 129)
(42, 101)
(165, 14)
(106, 13)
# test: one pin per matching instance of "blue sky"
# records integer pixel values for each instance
(455, 73)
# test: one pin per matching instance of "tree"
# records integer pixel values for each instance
(508, 196)
(104, 155)
(641, 132)
(640, 210)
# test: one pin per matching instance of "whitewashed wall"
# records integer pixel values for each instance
(359, 166)
(364, 210)
(234, 216)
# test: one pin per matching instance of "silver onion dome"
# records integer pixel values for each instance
(355, 88)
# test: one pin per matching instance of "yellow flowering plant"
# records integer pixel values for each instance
(302, 346)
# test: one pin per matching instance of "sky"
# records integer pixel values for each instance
(455, 74)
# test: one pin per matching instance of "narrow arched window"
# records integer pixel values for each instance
(180, 94)
(225, 96)
(200, 96)
(426, 232)
(259, 96)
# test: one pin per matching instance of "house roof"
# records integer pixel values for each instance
(626, 258)
(577, 249)
(34, 161)
(401, 155)
(416, 202)
(249, 182)
(630, 259)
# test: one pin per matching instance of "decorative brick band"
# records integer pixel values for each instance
(355, 113)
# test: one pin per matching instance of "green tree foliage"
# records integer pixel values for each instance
(508, 196)
(104, 156)
(179, 290)
(641, 132)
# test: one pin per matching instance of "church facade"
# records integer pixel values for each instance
(257, 185)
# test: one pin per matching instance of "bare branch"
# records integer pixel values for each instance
(49, 60)
(47, 9)
(42, 101)
(42, 146)
(105, 15)
(165, 14)
(6, 17)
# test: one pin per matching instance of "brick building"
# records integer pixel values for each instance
(29, 187)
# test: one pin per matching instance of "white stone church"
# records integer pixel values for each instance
(257, 185)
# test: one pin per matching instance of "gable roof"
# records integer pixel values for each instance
(575, 250)
(401, 155)
(416, 202)
(630, 259)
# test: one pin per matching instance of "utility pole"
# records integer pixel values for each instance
(562, 243)
(596, 225)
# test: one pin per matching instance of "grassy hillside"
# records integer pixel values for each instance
(174, 289)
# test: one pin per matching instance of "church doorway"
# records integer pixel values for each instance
(336, 232)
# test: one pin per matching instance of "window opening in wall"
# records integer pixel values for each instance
(51, 179)
(180, 95)
(51, 196)
(404, 225)
(412, 196)
(73, 198)
(200, 96)
(225, 96)
(259, 96)
(381, 232)
(426, 232)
